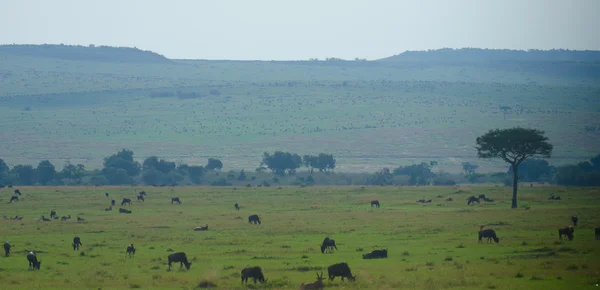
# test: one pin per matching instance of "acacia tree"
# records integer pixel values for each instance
(513, 146)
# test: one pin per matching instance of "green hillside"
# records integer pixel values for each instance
(82, 104)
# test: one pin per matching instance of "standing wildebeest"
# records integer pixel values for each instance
(472, 199)
(113, 202)
(126, 201)
(106, 193)
(181, 258)
(489, 234)
(375, 203)
(140, 197)
(175, 200)
(64, 218)
(328, 244)
(33, 261)
(130, 250)
(449, 199)
(253, 272)
(14, 198)
(317, 285)
(597, 232)
(7, 249)
(53, 213)
(554, 197)
(574, 219)
(142, 193)
(376, 254)
(80, 219)
(237, 206)
(76, 243)
(340, 269)
(254, 219)
(568, 231)
(17, 192)
(204, 228)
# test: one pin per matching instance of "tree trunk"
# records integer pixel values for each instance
(515, 185)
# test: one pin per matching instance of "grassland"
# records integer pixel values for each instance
(431, 246)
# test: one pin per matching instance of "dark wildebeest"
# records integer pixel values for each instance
(76, 243)
(113, 202)
(376, 254)
(33, 261)
(472, 199)
(80, 219)
(17, 192)
(568, 231)
(181, 258)
(340, 269)
(7, 249)
(122, 210)
(317, 285)
(328, 244)
(64, 218)
(108, 208)
(254, 219)
(130, 250)
(574, 219)
(46, 219)
(375, 203)
(175, 200)
(53, 213)
(554, 197)
(489, 234)
(14, 198)
(204, 228)
(126, 201)
(140, 197)
(253, 272)
(237, 206)
(10, 186)
(597, 232)
(449, 199)
(106, 193)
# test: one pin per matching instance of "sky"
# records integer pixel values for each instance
(302, 29)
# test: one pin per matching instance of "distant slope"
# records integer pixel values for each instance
(478, 54)
(86, 53)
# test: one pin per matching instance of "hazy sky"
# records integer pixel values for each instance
(302, 29)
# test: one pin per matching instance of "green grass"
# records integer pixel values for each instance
(430, 246)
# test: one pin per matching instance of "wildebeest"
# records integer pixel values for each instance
(574, 219)
(80, 219)
(554, 197)
(254, 219)
(140, 197)
(14, 198)
(175, 200)
(46, 219)
(424, 201)
(64, 218)
(181, 258)
(106, 193)
(472, 199)
(237, 206)
(7, 249)
(113, 202)
(108, 208)
(489, 234)
(126, 201)
(204, 228)
(313, 285)
(449, 199)
(340, 269)
(328, 244)
(76, 243)
(130, 250)
(33, 261)
(597, 232)
(376, 254)
(17, 192)
(53, 213)
(375, 203)
(142, 193)
(253, 272)
(568, 231)
(122, 210)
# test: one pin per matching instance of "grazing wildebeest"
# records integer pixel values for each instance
(181, 258)
(204, 228)
(53, 213)
(46, 219)
(376, 254)
(80, 219)
(7, 249)
(554, 197)
(472, 199)
(130, 250)
(17, 192)
(64, 218)
(253, 272)
(122, 210)
(14, 198)
(574, 219)
(108, 208)
(254, 219)
(489, 234)
(106, 193)
(126, 201)
(33, 261)
(112, 202)
(142, 193)
(76, 243)
(175, 200)
(449, 199)
(313, 285)
(340, 269)
(140, 197)
(568, 231)
(597, 232)
(237, 206)
(375, 203)
(328, 244)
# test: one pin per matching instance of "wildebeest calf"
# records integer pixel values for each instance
(376, 254)
(328, 244)
(204, 228)
(254, 219)
(375, 203)
(175, 200)
(33, 261)
(568, 231)
(574, 219)
(253, 272)
(489, 234)
(130, 250)
(126, 201)
(7, 249)
(181, 258)
(340, 269)
(76, 243)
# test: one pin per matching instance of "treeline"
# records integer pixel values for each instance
(281, 169)
(479, 54)
(86, 53)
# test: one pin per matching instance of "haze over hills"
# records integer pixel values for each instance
(82, 103)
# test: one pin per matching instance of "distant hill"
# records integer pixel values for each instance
(483, 55)
(85, 53)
